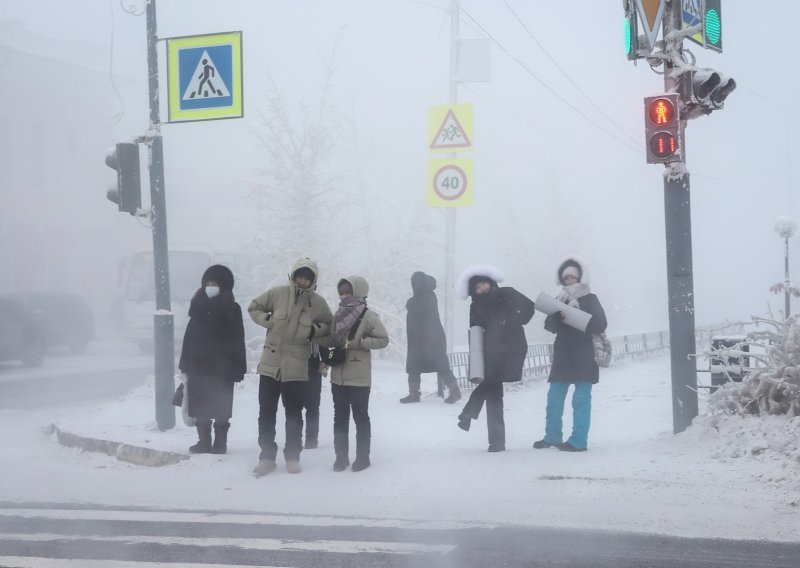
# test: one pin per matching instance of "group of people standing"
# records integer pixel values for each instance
(301, 331)
(299, 326)
(502, 312)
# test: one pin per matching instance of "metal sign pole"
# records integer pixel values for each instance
(163, 328)
(450, 214)
(680, 284)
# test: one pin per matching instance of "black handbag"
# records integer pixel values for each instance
(177, 398)
(333, 356)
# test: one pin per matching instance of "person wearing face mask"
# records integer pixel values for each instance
(573, 360)
(293, 315)
(213, 358)
(351, 381)
(501, 312)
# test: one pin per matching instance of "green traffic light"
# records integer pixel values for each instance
(628, 36)
(713, 27)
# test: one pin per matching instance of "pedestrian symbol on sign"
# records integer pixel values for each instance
(202, 85)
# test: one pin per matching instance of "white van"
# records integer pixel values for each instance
(135, 304)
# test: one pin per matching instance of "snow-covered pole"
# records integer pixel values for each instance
(163, 330)
(678, 226)
(786, 228)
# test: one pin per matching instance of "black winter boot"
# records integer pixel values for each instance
(454, 393)
(220, 437)
(203, 445)
(362, 451)
(413, 389)
(412, 397)
(341, 443)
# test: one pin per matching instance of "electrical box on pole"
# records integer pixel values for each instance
(662, 129)
(127, 193)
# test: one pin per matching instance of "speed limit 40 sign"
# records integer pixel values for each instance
(450, 183)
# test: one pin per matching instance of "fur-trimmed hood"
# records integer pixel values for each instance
(462, 285)
(577, 262)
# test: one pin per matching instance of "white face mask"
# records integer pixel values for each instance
(212, 291)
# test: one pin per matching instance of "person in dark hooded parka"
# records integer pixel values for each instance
(427, 346)
(573, 360)
(501, 312)
(213, 358)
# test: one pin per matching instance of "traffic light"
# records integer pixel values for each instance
(712, 24)
(704, 91)
(127, 193)
(662, 129)
(633, 41)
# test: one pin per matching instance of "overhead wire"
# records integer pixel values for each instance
(636, 148)
(567, 75)
(117, 116)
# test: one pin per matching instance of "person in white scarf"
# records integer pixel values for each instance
(573, 361)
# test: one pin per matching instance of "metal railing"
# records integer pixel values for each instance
(539, 356)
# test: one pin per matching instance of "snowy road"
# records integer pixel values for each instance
(730, 478)
(108, 370)
(121, 538)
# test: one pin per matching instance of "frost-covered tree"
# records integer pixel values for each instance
(773, 385)
(311, 199)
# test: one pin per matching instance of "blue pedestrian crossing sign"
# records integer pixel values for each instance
(204, 77)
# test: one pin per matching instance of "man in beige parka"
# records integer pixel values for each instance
(293, 314)
(351, 381)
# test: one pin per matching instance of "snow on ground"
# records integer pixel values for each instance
(727, 477)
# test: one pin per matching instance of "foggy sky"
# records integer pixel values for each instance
(547, 182)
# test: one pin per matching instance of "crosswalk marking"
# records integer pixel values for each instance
(228, 518)
(335, 546)
(40, 562)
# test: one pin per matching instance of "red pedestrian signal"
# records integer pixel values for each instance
(662, 129)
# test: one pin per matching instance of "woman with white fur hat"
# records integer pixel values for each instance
(501, 312)
(573, 360)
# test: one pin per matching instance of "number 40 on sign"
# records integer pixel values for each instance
(450, 183)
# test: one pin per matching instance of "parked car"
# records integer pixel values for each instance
(66, 319)
(21, 334)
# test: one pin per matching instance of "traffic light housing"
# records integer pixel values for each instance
(704, 91)
(127, 193)
(633, 41)
(663, 133)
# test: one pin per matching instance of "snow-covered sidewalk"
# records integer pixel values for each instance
(731, 477)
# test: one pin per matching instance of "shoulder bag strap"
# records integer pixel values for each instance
(354, 329)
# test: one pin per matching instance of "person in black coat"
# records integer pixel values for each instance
(427, 346)
(213, 358)
(501, 312)
(573, 361)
